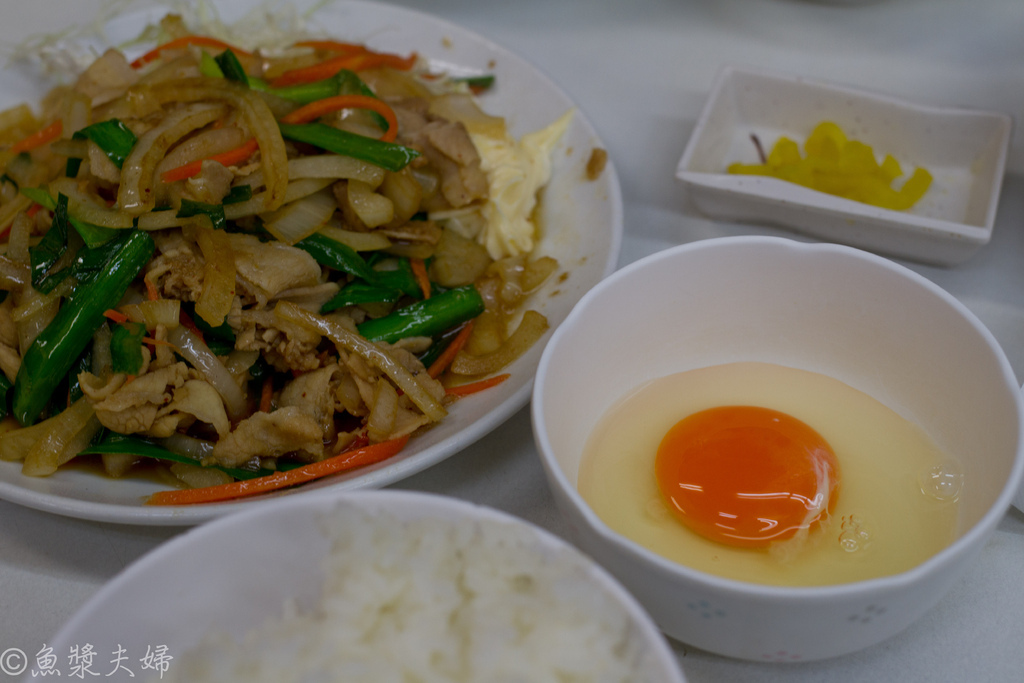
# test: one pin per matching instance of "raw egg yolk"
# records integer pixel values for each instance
(746, 476)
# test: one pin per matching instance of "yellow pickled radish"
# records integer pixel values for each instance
(839, 166)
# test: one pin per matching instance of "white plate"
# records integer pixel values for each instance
(285, 539)
(581, 222)
(965, 150)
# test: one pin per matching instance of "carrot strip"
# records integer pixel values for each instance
(267, 395)
(185, 41)
(353, 62)
(190, 324)
(300, 475)
(116, 316)
(352, 458)
(232, 157)
(152, 293)
(314, 72)
(39, 138)
(448, 355)
(474, 387)
(419, 271)
(361, 441)
(315, 110)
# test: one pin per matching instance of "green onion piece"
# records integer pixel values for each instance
(231, 67)
(209, 67)
(333, 254)
(477, 83)
(360, 293)
(47, 361)
(90, 261)
(387, 155)
(83, 364)
(300, 94)
(238, 194)
(440, 343)
(126, 348)
(426, 318)
(215, 212)
(261, 369)
(69, 389)
(115, 443)
(49, 250)
(112, 136)
(400, 278)
(94, 235)
(349, 83)
(223, 333)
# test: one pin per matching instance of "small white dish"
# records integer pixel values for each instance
(965, 150)
(582, 229)
(165, 601)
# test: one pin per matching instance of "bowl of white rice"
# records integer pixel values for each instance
(370, 586)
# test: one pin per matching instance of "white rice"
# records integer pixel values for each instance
(431, 600)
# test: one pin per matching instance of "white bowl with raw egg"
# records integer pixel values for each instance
(786, 451)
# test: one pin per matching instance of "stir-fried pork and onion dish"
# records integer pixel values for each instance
(257, 269)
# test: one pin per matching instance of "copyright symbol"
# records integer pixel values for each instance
(13, 661)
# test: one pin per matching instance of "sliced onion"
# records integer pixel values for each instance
(18, 241)
(87, 208)
(77, 113)
(13, 275)
(35, 311)
(218, 291)
(464, 108)
(360, 241)
(250, 207)
(530, 330)
(67, 434)
(102, 362)
(16, 122)
(202, 146)
(370, 352)
(195, 351)
(32, 304)
(138, 174)
(335, 166)
(12, 208)
(164, 312)
(189, 446)
(198, 477)
(373, 209)
(299, 220)
(255, 112)
(238, 361)
(16, 443)
(158, 220)
(79, 149)
(297, 189)
(254, 180)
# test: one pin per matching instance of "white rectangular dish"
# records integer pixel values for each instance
(965, 151)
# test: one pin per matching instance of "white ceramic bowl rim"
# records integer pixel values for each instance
(768, 592)
(83, 623)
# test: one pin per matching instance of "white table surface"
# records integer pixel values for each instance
(641, 70)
